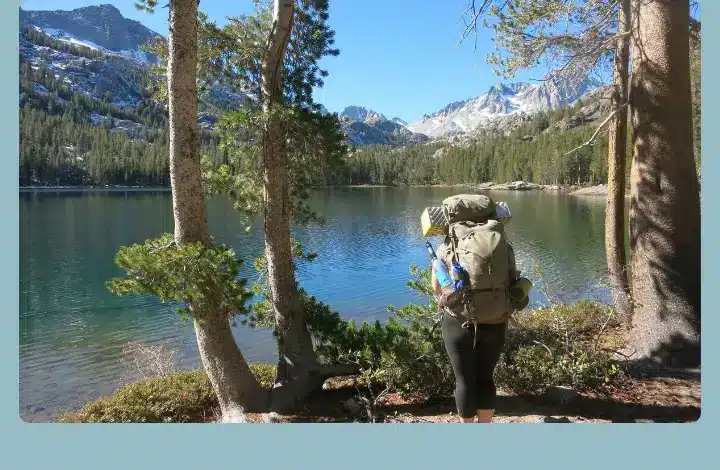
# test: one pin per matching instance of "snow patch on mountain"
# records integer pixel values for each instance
(400, 122)
(502, 102)
(64, 36)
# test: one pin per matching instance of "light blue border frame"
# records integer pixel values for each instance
(343, 446)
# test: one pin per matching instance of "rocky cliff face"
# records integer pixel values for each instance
(102, 25)
(367, 127)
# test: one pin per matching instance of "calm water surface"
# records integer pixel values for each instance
(72, 329)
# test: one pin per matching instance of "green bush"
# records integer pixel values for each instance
(404, 355)
(559, 345)
(556, 345)
(265, 373)
(181, 397)
(177, 398)
(532, 369)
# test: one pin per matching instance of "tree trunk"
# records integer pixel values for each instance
(665, 205)
(617, 149)
(297, 361)
(232, 380)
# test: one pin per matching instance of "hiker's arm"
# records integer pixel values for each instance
(435, 283)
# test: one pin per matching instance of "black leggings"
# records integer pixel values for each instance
(473, 361)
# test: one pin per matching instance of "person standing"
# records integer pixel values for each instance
(475, 316)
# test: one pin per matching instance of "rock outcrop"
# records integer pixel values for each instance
(517, 186)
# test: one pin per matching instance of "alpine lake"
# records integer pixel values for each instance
(73, 329)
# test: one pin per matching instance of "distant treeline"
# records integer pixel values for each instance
(540, 157)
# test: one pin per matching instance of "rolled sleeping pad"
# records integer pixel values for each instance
(433, 222)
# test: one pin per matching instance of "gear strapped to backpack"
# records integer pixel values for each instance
(478, 243)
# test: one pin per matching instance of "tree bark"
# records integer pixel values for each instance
(297, 361)
(665, 204)
(617, 150)
(233, 382)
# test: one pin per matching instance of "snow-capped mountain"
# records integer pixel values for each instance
(360, 114)
(97, 52)
(501, 103)
(100, 27)
(367, 127)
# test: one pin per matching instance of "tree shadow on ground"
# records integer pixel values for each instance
(584, 407)
(328, 407)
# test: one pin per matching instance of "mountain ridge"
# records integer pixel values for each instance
(103, 28)
(501, 101)
(103, 25)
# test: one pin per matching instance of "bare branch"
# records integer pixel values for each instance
(602, 330)
(597, 131)
(618, 352)
(472, 25)
(462, 17)
(541, 344)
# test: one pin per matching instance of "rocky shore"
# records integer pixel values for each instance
(573, 190)
(518, 186)
(598, 190)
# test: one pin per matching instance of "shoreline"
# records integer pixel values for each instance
(92, 188)
(669, 398)
(600, 190)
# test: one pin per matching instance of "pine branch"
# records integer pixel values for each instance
(597, 131)
(588, 52)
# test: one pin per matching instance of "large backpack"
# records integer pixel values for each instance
(480, 246)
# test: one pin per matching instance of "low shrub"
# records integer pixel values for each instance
(555, 345)
(559, 345)
(180, 397)
(404, 355)
(177, 398)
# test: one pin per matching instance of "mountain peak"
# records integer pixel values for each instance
(102, 25)
(105, 7)
(397, 120)
(501, 101)
(362, 114)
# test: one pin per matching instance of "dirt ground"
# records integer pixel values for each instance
(641, 400)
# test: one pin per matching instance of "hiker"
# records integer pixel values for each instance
(474, 328)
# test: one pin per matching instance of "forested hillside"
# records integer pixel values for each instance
(86, 118)
(69, 137)
(537, 151)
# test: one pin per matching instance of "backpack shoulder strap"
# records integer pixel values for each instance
(451, 241)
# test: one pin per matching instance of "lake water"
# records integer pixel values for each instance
(72, 329)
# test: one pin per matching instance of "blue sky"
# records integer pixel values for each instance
(398, 57)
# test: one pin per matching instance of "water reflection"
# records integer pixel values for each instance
(72, 328)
